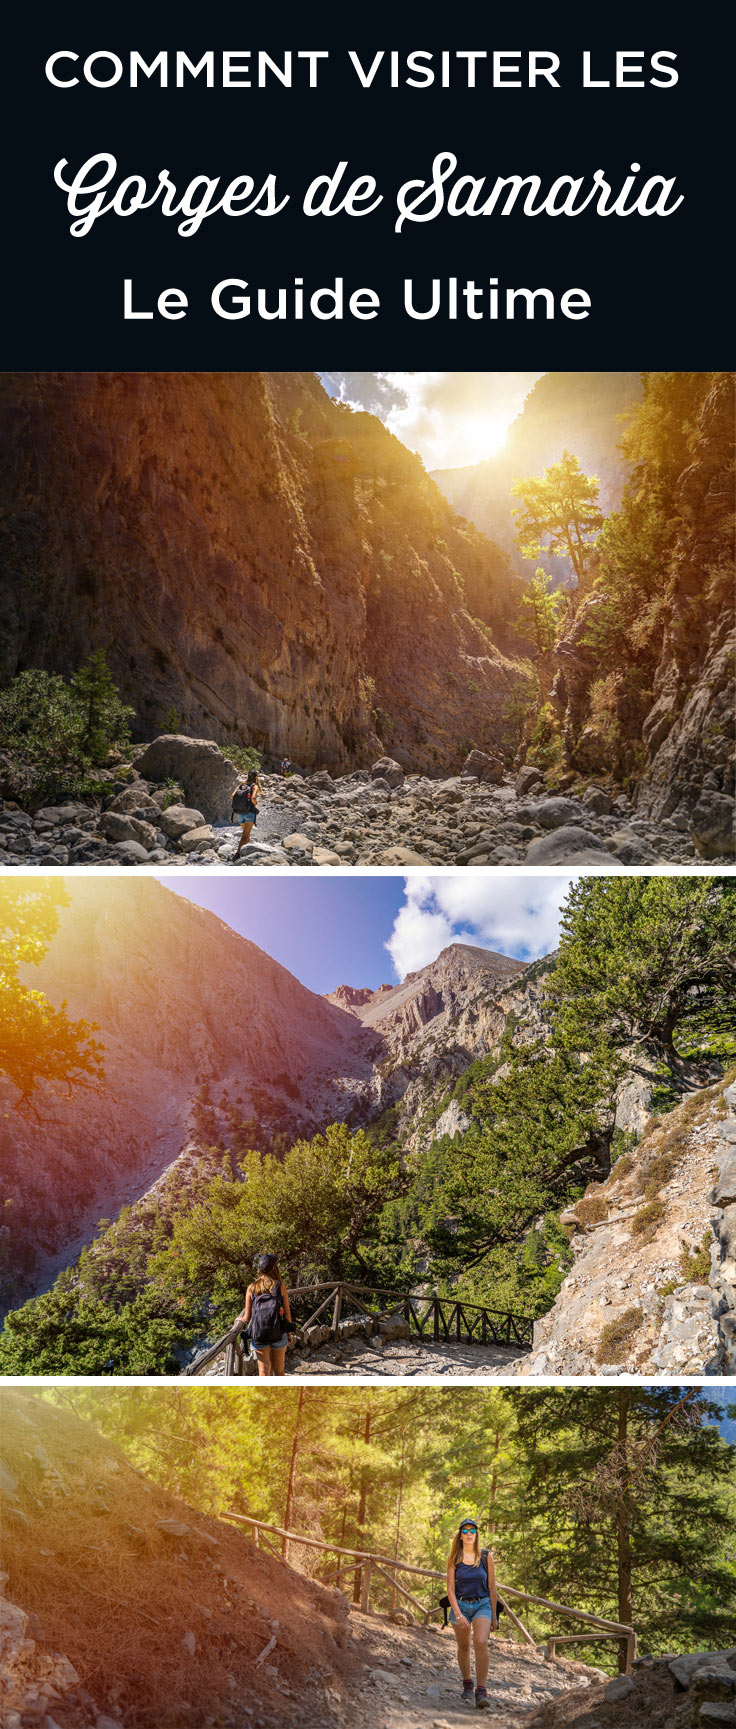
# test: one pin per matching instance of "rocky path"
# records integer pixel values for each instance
(380, 816)
(400, 1357)
(412, 1679)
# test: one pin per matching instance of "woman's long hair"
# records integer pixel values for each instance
(456, 1552)
(267, 1281)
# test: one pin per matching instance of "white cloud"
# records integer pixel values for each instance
(515, 916)
(450, 418)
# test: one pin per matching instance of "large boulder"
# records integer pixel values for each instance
(630, 848)
(567, 846)
(556, 812)
(483, 766)
(388, 770)
(198, 766)
(135, 798)
(528, 777)
(178, 820)
(118, 828)
(197, 838)
(400, 855)
(713, 825)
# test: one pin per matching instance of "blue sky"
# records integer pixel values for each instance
(373, 930)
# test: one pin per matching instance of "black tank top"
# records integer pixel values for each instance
(470, 1582)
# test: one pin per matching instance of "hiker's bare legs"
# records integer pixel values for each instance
(463, 1636)
(481, 1632)
(278, 1358)
(263, 1358)
(244, 837)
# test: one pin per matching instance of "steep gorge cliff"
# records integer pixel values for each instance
(281, 572)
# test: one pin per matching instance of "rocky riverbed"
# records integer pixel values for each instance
(170, 806)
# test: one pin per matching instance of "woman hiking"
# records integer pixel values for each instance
(471, 1588)
(245, 806)
(268, 1316)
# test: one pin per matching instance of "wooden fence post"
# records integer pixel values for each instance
(337, 1311)
(436, 1315)
(365, 1587)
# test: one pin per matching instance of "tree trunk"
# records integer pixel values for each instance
(494, 1482)
(292, 1472)
(623, 1526)
(358, 1583)
(399, 1498)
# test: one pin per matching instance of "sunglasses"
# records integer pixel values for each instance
(466, 1529)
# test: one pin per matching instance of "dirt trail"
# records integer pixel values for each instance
(411, 1679)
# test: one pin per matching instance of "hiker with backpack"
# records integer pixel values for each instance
(268, 1317)
(471, 1588)
(245, 806)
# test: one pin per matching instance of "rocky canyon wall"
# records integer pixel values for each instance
(279, 571)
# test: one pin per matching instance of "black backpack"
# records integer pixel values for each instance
(266, 1318)
(242, 799)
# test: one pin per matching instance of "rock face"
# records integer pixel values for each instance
(576, 411)
(655, 1295)
(435, 997)
(680, 732)
(691, 765)
(281, 572)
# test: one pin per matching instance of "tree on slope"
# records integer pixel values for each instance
(646, 962)
(38, 1043)
(559, 515)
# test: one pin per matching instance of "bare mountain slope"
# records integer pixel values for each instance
(193, 1016)
(181, 1001)
(441, 989)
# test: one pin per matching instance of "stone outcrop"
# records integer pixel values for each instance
(282, 573)
(653, 1287)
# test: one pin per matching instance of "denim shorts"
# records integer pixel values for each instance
(280, 1345)
(471, 1611)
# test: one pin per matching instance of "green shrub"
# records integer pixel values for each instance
(656, 1175)
(645, 1222)
(613, 1344)
(56, 734)
(695, 1263)
(243, 757)
(592, 1211)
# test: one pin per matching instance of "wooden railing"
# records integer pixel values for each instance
(368, 1564)
(437, 1320)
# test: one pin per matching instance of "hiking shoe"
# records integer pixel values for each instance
(482, 1701)
(467, 1693)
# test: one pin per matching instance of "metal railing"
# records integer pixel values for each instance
(436, 1320)
(368, 1565)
